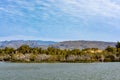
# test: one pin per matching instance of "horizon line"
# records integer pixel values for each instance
(54, 40)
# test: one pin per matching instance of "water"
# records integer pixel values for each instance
(59, 71)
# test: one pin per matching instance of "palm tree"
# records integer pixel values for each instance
(118, 46)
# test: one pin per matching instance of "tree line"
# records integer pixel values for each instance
(26, 53)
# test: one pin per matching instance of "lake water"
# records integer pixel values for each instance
(59, 71)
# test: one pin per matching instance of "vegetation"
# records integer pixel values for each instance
(28, 54)
(118, 46)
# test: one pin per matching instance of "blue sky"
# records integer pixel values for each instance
(60, 20)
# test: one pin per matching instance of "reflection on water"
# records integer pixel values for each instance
(59, 71)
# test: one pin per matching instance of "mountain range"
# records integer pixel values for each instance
(62, 45)
(31, 43)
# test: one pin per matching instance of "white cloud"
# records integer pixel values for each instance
(80, 8)
(31, 14)
(75, 9)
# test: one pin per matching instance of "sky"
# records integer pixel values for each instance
(60, 20)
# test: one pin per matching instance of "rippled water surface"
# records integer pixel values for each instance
(59, 71)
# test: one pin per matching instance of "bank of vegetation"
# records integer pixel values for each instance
(29, 54)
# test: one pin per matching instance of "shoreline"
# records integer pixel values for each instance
(54, 62)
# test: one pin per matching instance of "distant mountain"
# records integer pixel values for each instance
(61, 45)
(31, 43)
(83, 44)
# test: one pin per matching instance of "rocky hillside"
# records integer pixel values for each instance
(83, 44)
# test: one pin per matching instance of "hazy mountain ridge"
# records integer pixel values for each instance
(62, 45)
(31, 43)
